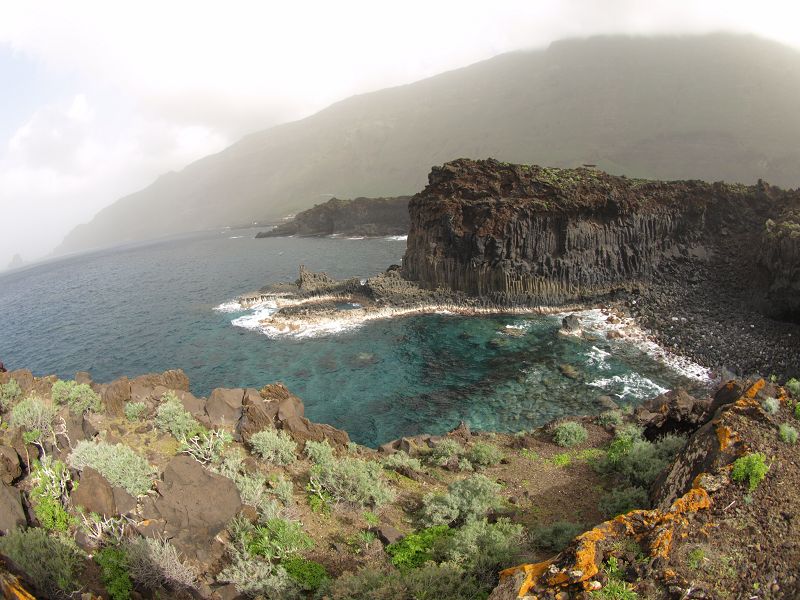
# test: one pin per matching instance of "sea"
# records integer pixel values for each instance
(167, 305)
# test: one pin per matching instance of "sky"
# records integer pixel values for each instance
(98, 98)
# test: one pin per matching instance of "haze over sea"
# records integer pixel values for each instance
(150, 308)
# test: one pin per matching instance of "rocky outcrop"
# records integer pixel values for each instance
(780, 257)
(358, 217)
(530, 234)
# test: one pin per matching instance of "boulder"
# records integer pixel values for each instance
(24, 378)
(224, 406)
(116, 395)
(571, 323)
(196, 406)
(10, 468)
(193, 506)
(94, 493)
(83, 377)
(388, 534)
(672, 412)
(123, 501)
(11, 513)
(257, 414)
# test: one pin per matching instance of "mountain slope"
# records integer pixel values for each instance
(713, 107)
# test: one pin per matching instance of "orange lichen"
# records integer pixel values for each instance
(726, 436)
(11, 588)
(532, 573)
(753, 390)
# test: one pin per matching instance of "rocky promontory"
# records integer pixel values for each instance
(362, 217)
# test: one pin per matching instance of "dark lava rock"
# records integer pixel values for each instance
(11, 513)
(224, 406)
(94, 493)
(571, 323)
(116, 395)
(672, 412)
(10, 467)
(388, 534)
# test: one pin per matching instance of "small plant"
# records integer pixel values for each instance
(561, 460)
(50, 494)
(282, 489)
(319, 452)
(751, 468)
(696, 558)
(445, 451)
(33, 415)
(788, 434)
(556, 536)
(256, 578)
(623, 500)
(416, 549)
(276, 539)
(370, 518)
(484, 455)
(116, 578)
(119, 464)
(319, 499)
(275, 446)
(529, 454)
(153, 563)
(610, 418)
(569, 434)
(9, 393)
(360, 542)
(402, 461)
(307, 574)
(615, 589)
(134, 411)
(173, 418)
(79, 397)
(465, 500)
(52, 563)
(771, 405)
(352, 480)
(793, 385)
(208, 446)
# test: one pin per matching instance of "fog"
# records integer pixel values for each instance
(99, 99)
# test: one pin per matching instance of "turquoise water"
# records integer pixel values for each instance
(151, 308)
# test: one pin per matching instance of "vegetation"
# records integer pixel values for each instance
(275, 446)
(50, 493)
(207, 446)
(793, 385)
(556, 536)
(401, 460)
(751, 468)
(623, 500)
(113, 563)
(569, 434)
(118, 463)
(610, 418)
(484, 455)
(346, 479)
(445, 451)
(153, 563)
(52, 563)
(9, 393)
(465, 499)
(416, 549)
(307, 574)
(787, 433)
(771, 405)
(134, 411)
(79, 397)
(173, 418)
(35, 417)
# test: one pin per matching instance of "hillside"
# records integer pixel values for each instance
(711, 107)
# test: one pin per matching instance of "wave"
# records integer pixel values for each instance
(396, 238)
(631, 384)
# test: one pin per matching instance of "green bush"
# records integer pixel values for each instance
(443, 582)
(173, 418)
(256, 578)
(79, 397)
(751, 468)
(282, 489)
(135, 410)
(370, 583)
(153, 563)
(207, 446)
(569, 434)
(9, 393)
(622, 442)
(351, 479)
(417, 548)
(771, 405)
(610, 418)
(793, 385)
(116, 578)
(319, 452)
(615, 589)
(484, 455)
(446, 450)
(401, 460)
(52, 563)
(465, 499)
(638, 460)
(556, 536)
(252, 488)
(118, 463)
(788, 434)
(307, 574)
(275, 539)
(33, 415)
(623, 500)
(275, 446)
(49, 494)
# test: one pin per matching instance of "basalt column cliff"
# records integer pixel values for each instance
(528, 234)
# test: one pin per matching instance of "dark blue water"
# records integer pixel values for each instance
(150, 308)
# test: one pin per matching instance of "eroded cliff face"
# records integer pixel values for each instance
(780, 257)
(530, 234)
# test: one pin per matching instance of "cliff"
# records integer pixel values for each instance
(530, 234)
(359, 217)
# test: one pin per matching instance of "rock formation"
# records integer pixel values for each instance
(358, 217)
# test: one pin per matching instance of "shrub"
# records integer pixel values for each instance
(569, 434)
(639, 460)
(275, 446)
(208, 446)
(751, 468)
(33, 415)
(771, 405)
(79, 397)
(561, 460)
(484, 455)
(118, 463)
(173, 418)
(370, 583)
(135, 410)
(153, 563)
(556, 536)
(9, 393)
(446, 450)
(351, 480)
(319, 452)
(283, 490)
(788, 434)
(253, 488)
(401, 460)
(615, 589)
(610, 418)
(49, 494)
(254, 577)
(116, 578)
(51, 563)
(416, 549)
(307, 574)
(623, 500)
(276, 539)
(466, 499)
(793, 385)
(622, 442)
(443, 582)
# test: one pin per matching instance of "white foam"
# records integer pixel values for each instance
(355, 238)
(396, 238)
(229, 307)
(236, 237)
(632, 384)
(258, 312)
(597, 358)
